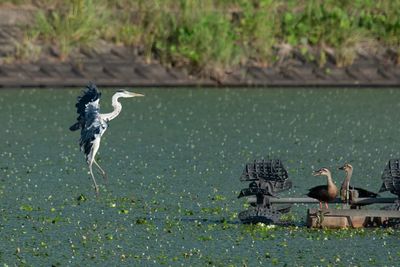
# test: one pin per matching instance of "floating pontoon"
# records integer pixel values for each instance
(268, 178)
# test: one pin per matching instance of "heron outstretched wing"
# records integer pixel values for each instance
(90, 95)
(94, 126)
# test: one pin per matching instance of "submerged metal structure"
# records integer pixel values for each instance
(268, 178)
(391, 182)
(391, 177)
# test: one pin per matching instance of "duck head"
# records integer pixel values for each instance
(322, 172)
(346, 167)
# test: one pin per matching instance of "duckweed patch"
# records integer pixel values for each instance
(171, 198)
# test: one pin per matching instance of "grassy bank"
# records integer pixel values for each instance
(215, 35)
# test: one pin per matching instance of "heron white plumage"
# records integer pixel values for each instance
(93, 124)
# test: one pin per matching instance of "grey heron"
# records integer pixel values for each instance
(93, 124)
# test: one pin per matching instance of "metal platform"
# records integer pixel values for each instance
(268, 178)
(344, 218)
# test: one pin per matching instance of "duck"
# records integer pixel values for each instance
(346, 185)
(324, 193)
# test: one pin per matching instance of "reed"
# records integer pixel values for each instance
(211, 36)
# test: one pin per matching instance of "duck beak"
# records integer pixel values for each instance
(316, 173)
(341, 168)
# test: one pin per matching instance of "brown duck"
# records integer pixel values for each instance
(324, 193)
(346, 185)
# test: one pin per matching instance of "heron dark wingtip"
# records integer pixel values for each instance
(91, 94)
(92, 91)
(74, 127)
(92, 87)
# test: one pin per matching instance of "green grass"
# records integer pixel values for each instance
(213, 36)
(80, 24)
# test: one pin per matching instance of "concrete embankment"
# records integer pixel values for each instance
(120, 66)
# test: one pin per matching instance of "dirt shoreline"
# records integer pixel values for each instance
(111, 65)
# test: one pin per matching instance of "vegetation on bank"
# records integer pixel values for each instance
(211, 35)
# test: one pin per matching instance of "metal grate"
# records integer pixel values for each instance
(391, 177)
(266, 177)
(264, 169)
(271, 172)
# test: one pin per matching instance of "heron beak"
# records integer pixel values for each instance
(136, 94)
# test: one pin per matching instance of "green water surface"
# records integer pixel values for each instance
(174, 159)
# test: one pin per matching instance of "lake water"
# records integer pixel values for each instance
(174, 159)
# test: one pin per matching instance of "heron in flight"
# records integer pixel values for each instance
(93, 124)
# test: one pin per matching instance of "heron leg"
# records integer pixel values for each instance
(90, 160)
(326, 205)
(320, 205)
(96, 187)
(101, 170)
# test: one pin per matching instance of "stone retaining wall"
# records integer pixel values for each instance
(118, 66)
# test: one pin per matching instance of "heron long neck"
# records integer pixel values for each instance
(117, 109)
